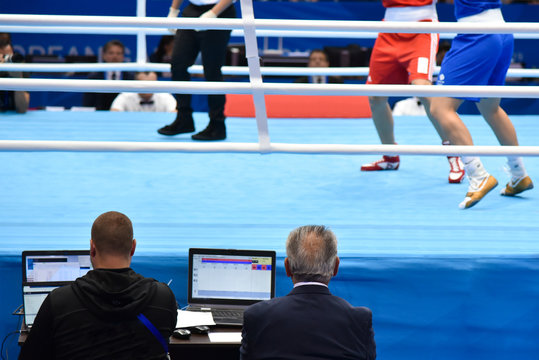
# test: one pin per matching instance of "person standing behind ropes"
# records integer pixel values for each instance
(212, 45)
(479, 59)
(399, 58)
(109, 313)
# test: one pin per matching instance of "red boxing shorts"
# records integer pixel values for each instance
(402, 58)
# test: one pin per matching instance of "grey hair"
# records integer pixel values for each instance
(312, 252)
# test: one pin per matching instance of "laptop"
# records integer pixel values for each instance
(226, 281)
(45, 270)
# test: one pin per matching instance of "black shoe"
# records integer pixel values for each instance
(211, 133)
(178, 127)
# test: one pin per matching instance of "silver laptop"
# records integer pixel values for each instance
(226, 281)
(46, 270)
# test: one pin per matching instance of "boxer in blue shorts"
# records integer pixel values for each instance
(466, 64)
(476, 59)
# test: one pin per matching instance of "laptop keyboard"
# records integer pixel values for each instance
(227, 316)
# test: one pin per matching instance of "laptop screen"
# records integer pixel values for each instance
(46, 270)
(33, 297)
(230, 277)
(54, 265)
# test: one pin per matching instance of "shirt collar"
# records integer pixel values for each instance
(117, 75)
(309, 283)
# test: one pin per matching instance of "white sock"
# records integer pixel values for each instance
(468, 159)
(474, 167)
(516, 165)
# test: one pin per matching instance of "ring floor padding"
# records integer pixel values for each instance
(177, 200)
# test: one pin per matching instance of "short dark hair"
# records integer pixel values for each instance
(5, 40)
(113, 43)
(112, 233)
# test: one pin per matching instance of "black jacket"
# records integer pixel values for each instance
(7, 98)
(329, 80)
(309, 323)
(96, 318)
(102, 101)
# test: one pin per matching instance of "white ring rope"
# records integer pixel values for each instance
(208, 87)
(227, 70)
(235, 33)
(331, 149)
(269, 24)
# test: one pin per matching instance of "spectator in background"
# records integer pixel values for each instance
(319, 58)
(158, 102)
(163, 54)
(11, 100)
(113, 52)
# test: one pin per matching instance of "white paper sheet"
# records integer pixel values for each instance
(225, 337)
(193, 318)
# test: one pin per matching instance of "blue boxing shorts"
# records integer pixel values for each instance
(477, 59)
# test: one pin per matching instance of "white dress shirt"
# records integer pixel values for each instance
(159, 102)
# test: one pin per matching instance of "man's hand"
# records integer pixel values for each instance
(207, 15)
(172, 13)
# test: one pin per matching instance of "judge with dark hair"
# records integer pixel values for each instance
(111, 312)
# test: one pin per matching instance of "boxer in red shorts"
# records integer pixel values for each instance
(400, 58)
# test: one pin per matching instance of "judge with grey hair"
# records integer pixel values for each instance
(309, 322)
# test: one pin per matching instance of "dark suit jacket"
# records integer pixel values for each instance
(102, 101)
(308, 323)
(330, 80)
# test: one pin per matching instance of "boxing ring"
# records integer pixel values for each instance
(443, 283)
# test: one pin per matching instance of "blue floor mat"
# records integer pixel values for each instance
(181, 200)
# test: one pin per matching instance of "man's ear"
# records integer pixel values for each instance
(92, 248)
(133, 247)
(287, 267)
(336, 269)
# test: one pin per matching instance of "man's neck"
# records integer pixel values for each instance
(111, 263)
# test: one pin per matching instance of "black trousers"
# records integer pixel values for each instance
(212, 44)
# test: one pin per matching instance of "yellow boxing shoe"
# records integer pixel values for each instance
(477, 190)
(517, 185)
